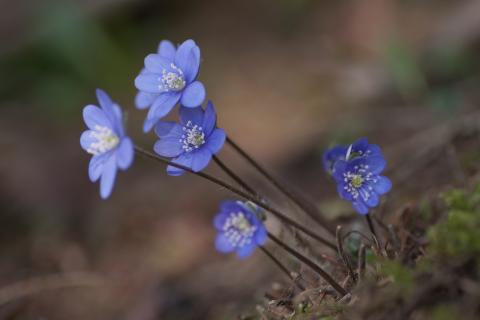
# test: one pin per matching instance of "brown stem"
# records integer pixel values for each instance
(361, 261)
(309, 263)
(343, 255)
(281, 267)
(372, 230)
(308, 207)
(232, 175)
(240, 193)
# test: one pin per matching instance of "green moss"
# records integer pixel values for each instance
(458, 235)
(402, 277)
(444, 312)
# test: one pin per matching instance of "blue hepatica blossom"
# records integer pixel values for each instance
(169, 77)
(358, 176)
(106, 141)
(193, 141)
(239, 228)
(359, 148)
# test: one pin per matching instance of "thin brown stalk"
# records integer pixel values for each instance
(310, 264)
(242, 194)
(343, 255)
(309, 208)
(281, 267)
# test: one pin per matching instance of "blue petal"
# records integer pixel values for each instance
(193, 95)
(104, 100)
(125, 153)
(376, 164)
(230, 206)
(163, 128)
(344, 194)
(167, 50)
(108, 177)
(370, 197)
(216, 141)
(93, 116)
(157, 64)
(95, 167)
(117, 120)
(170, 145)
(160, 108)
(374, 149)
(143, 99)
(360, 207)
(149, 82)
(331, 156)
(112, 111)
(86, 139)
(247, 250)
(195, 115)
(201, 158)
(383, 185)
(261, 235)
(339, 169)
(209, 118)
(222, 244)
(219, 221)
(187, 58)
(360, 145)
(185, 160)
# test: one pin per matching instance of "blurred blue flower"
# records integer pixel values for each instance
(331, 156)
(239, 229)
(106, 141)
(359, 180)
(168, 78)
(359, 148)
(193, 141)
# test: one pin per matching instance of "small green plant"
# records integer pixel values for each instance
(458, 236)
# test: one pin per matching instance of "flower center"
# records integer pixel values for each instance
(357, 181)
(238, 230)
(105, 140)
(193, 137)
(172, 80)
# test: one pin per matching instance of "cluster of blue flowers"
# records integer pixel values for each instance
(169, 78)
(356, 170)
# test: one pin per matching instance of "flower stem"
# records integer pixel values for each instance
(232, 175)
(309, 263)
(308, 207)
(240, 193)
(372, 229)
(281, 267)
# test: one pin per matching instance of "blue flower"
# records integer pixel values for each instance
(331, 156)
(359, 181)
(168, 78)
(193, 141)
(106, 141)
(239, 228)
(359, 148)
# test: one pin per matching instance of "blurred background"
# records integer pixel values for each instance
(288, 77)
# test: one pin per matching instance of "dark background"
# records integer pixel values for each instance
(288, 78)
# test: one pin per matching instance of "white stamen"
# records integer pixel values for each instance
(238, 230)
(172, 81)
(193, 137)
(106, 140)
(355, 182)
